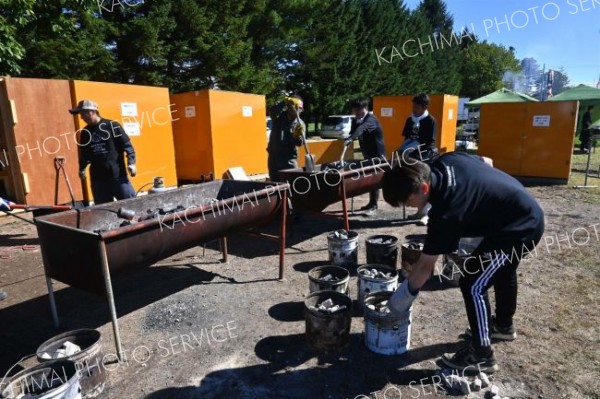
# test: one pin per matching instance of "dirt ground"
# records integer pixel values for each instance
(194, 327)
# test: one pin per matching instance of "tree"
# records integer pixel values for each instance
(483, 67)
(14, 15)
(445, 77)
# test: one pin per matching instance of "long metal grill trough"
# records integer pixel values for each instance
(331, 183)
(84, 247)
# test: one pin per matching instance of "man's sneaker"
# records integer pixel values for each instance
(497, 332)
(368, 207)
(371, 211)
(468, 358)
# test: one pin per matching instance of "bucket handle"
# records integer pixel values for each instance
(13, 366)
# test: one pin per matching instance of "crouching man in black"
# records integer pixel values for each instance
(469, 198)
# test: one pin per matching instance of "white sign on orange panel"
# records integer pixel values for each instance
(541, 120)
(387, 112)
(129, 109)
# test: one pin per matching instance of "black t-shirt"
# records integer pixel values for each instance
(102, 146)
(471, 199)
(370, 136)
(425, 134)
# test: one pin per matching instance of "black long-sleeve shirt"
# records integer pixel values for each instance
(370, 136)
(426, 133)
(102, 146)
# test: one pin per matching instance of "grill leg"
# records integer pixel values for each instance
(111, 298)
(345, 207)
(52, 302)
(282, 234)
(223, 242)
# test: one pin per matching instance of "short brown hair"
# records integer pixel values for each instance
(403, 180)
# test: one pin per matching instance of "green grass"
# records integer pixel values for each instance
(577, 178)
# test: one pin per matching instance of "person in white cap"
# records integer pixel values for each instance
(103, 143)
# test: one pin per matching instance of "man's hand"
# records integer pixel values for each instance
(299, 131)
(5, 204)
(402, 299)
(132, 170)
(347, 142)
(82, 175)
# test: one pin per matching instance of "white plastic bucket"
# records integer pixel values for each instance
(56, 379)
(386, 334)
(367, 285)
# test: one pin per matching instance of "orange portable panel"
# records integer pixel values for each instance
(238, 125)
(228, 130)
(324, 151)
(549, 139)
(501, 133)
(37, 128)
(191, 134)
(444, 109)
(145, 114)
(392, 112)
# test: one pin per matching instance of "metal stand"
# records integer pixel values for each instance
(111, 298)
(223, 244)
(52, 302)
(282, 233)
(587, 166)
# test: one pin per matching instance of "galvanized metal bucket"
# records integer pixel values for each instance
(327, 332)
(343, 251)
(454, 263)
(386, 334)
(57, 379)
(367, 285)
(410, 255)
(88, 362)
(382, 249)
(317, 283)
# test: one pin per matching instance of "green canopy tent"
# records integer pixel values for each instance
(501, 96)
(586, 95)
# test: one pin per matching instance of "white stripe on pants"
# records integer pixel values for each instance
(478, 300)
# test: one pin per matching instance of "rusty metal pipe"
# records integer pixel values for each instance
(110, 296)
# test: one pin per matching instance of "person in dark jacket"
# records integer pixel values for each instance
(103, 143)
(286, 136)
(586, 124)
(469, 198)
(367, 129)
(419, 129)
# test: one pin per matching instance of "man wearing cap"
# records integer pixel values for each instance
(102, 144)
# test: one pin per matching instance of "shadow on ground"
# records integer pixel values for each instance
(31, 322)
(356, 371)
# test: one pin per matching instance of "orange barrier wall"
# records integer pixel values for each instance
(392, 112)
(143, 108)
(508, 134)
(222, 130)
(324, 151)
(36, 128)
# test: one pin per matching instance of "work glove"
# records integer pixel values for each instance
(402, 299)
(82, 175)
(347, 142)
(295, 102)
(299, 131)
(5, 204)
(132, 170)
